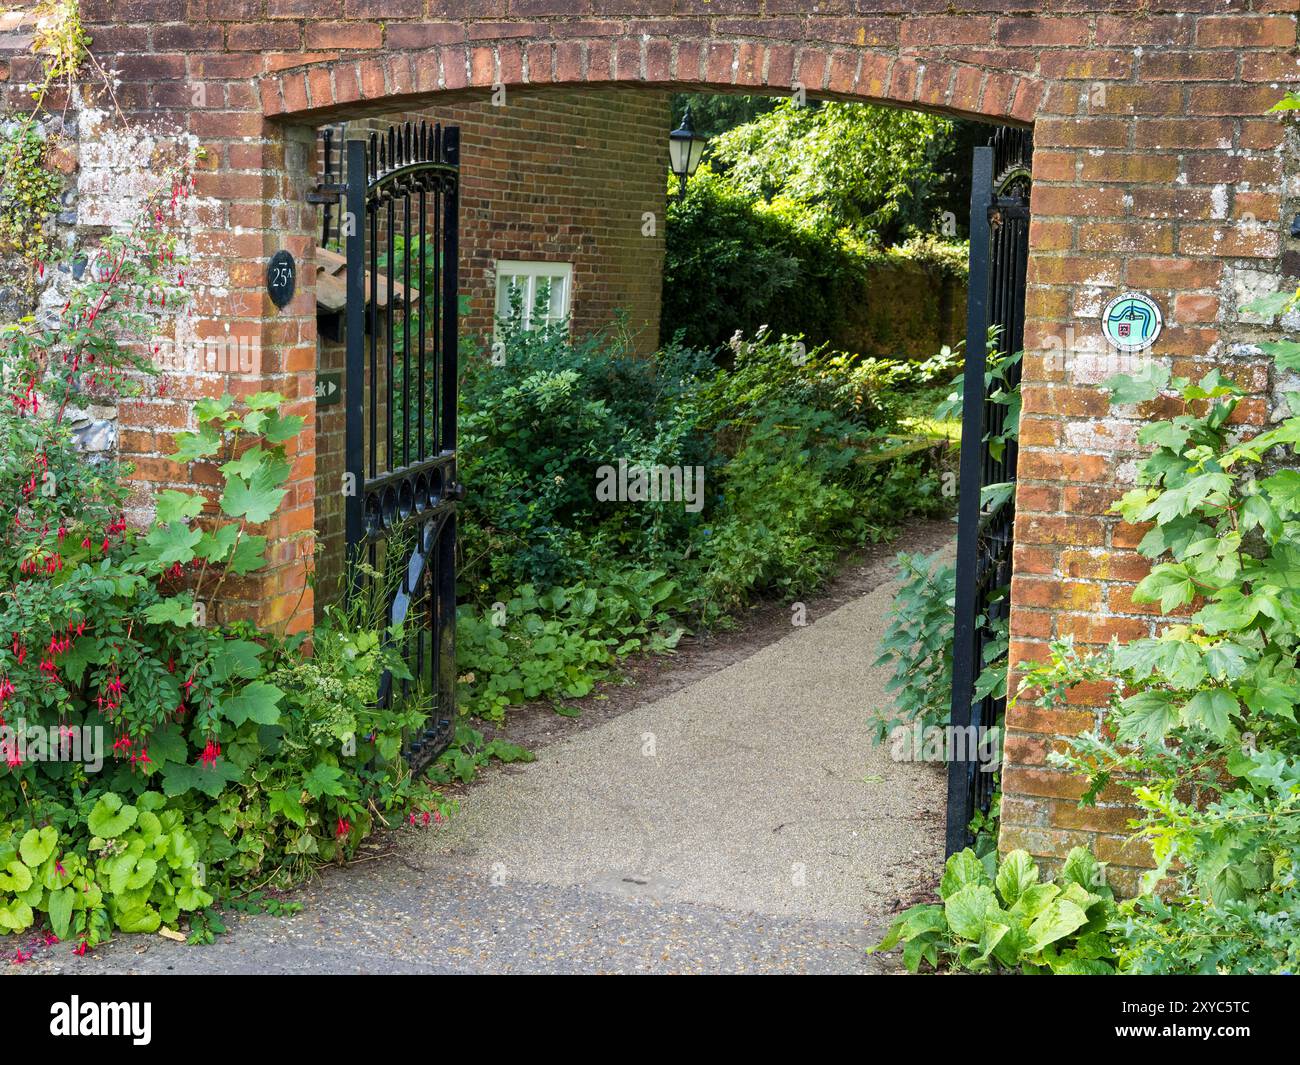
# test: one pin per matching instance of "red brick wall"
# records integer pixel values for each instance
(565, 175)
(1155, 169)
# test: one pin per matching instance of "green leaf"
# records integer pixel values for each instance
(287, 805)
(256, 701)
(36, 846)
(1147, 717)
(60, 911)
(15, 877)
(1269, 306)
(1081, 867)
(141, 919)
(250, 555)
(246, 465)
(173, 543)
(280, 428)
(961, 869)
(324, 780)
(110, 816)
(967, 908)
(1212, 711)
(1016, 874)
(201, 445)
(237, 658)
(171, 505)
(1056, 922)
(254, 499)
(1138, 387)
(178, 611)
(264, 401)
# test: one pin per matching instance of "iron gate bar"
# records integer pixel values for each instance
(999, 246)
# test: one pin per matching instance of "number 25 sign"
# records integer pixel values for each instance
(281, 278)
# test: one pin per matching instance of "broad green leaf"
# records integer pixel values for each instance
(1212, 711)
(1081, 867)
(15, 878)
(178, 611)
(324, 780)
(289, 806)
(967, 908)
(1016, 874)
(110, 816)
(60, 911)
(36, 845)
(177, 506)
(1147, 717)
(254, 499)
(173, 543)
(961, 869)
(1139, 387)
(256, 701)
(250, 555)
(1056, 922)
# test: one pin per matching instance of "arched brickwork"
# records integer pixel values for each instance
(1155, 169)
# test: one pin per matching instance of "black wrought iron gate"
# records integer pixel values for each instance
(402, 190)
(999, 254)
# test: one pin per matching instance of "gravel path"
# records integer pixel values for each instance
(742, 823)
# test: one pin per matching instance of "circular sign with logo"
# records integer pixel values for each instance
(1131, 321)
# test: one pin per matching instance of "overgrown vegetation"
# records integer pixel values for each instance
(1200, 727)
(559, 582)
(158, 759)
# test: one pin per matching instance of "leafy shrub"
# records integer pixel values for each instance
(1200, 723)
(999, 917)
(733, 262)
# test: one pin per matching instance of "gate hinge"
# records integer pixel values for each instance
(1005, 208)
(327, 193)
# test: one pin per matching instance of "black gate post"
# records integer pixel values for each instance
(444, 574)
(964, 666)
(354, 454)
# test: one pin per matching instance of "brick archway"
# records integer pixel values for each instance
(394, 80)
(1155, 169)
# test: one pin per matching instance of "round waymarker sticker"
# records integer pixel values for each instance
(1131, 321)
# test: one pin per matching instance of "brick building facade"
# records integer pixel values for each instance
(1155, 169)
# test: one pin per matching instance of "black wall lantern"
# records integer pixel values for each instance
(685, 148)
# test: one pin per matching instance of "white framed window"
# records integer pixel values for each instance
(542, 289)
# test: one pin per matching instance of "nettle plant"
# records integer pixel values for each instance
(1201, 723)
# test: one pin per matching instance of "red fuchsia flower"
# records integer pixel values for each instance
(211, 753)
(63, 531)
(81, 949)
(58, 868)
(343, 829)
(86, 543)
(6, 688)
(412, 818)
(19, 957)
(123, 745)
(50, 939)
(11, 756)
(142, 758)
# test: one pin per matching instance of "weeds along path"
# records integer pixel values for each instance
(741, 822)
